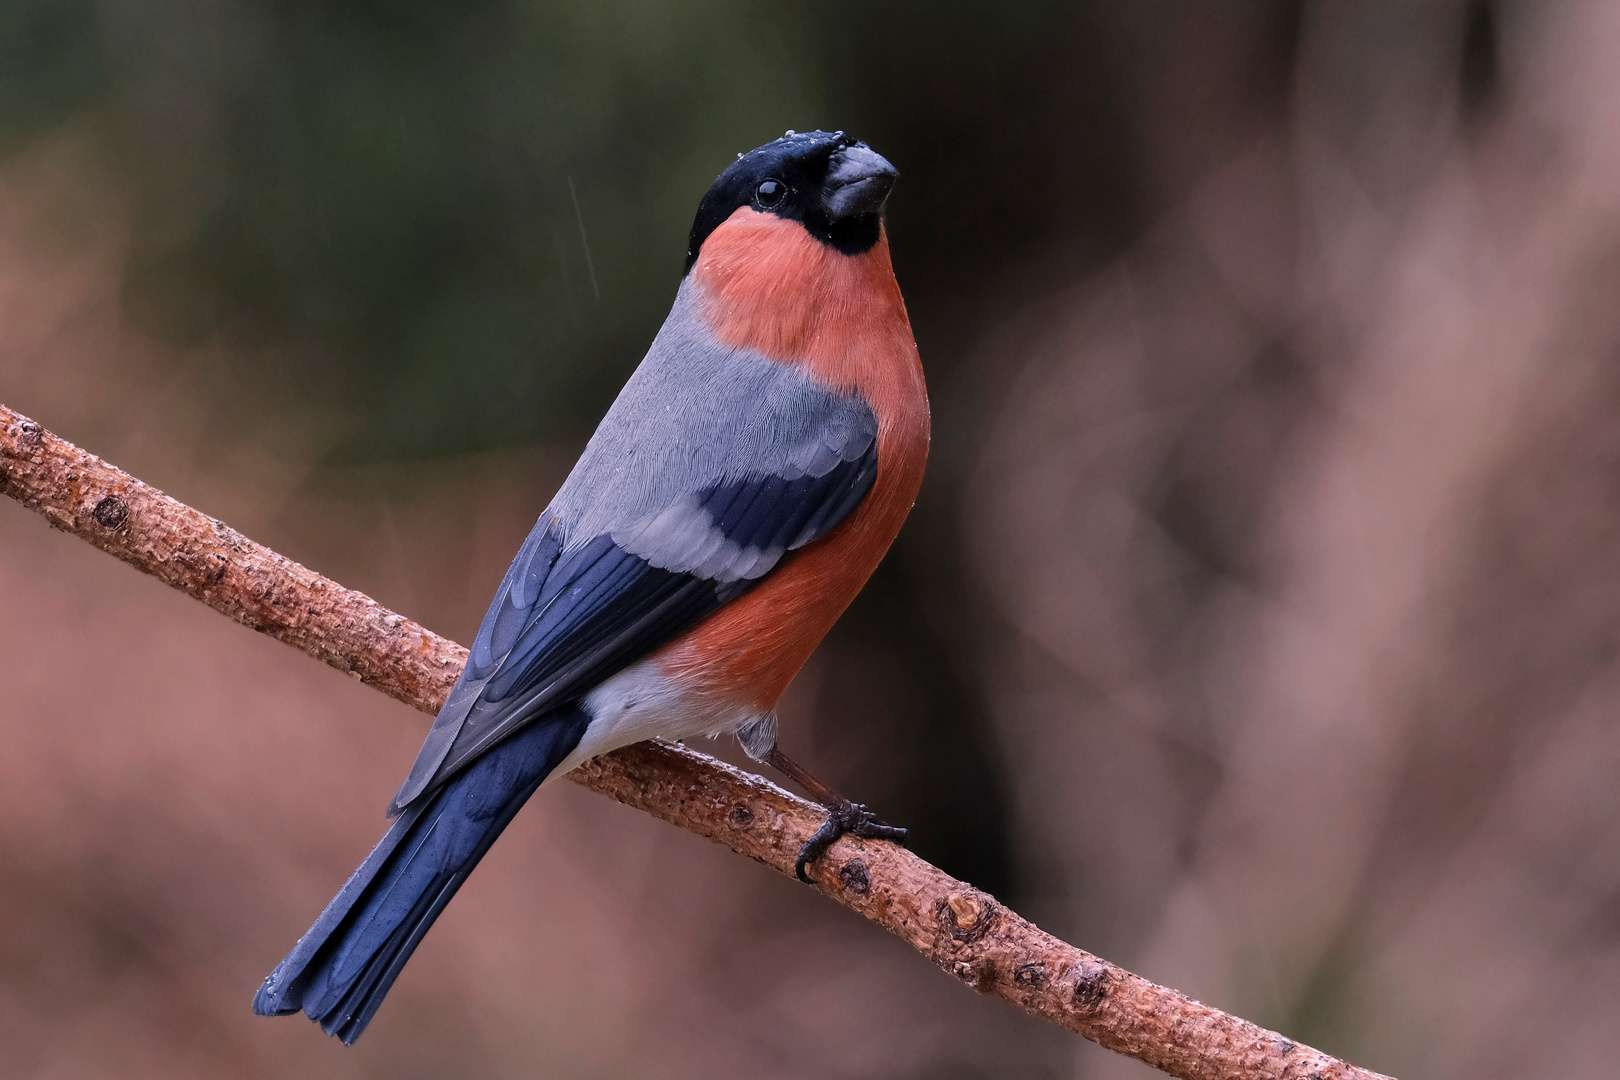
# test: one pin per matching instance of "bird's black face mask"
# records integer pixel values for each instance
(832, 184)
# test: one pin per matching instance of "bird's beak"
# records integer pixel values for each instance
(858, 182)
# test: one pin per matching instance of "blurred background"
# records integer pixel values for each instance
(1258, 627)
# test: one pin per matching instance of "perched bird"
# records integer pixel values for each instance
(735, 498)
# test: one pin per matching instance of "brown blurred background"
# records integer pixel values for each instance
(1258, 628)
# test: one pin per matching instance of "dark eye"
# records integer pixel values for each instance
(770, 193)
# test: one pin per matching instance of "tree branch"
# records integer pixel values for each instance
(962, 930)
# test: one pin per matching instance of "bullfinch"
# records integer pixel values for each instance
(737, 495)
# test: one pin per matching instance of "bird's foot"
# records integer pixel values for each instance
(844, 817)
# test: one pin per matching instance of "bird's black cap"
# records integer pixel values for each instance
(832, 184)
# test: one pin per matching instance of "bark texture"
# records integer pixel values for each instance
(967, 933)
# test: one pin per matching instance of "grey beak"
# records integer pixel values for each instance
(858, 182)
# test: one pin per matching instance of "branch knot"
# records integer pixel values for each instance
(112, 513)
(966, 914)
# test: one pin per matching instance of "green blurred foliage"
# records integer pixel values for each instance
(50, 65)
(461, 223)
(466, 221)
(471, 216)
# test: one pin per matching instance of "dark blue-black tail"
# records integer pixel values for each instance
(340, 970)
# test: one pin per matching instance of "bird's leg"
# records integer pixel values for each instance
(843, 816)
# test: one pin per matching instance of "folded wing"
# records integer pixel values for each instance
(709, 469)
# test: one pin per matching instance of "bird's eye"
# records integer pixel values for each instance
(770, 193)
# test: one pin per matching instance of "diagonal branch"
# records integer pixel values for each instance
(962, 930)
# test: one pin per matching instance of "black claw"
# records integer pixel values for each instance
(842, 818)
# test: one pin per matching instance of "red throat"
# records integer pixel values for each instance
(765, 284)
